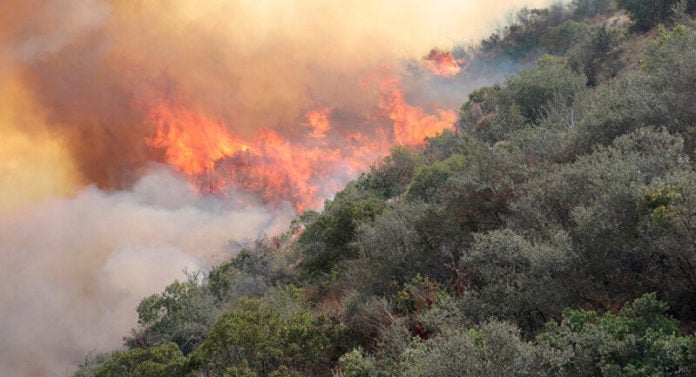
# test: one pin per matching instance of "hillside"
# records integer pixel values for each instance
(551, 233)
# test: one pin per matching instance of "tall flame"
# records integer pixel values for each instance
(411, 124)
(319, 122)
(442, 63)
(193, 143)
(304, 170)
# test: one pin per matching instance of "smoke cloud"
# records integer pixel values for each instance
(74, 269)
(92, 218)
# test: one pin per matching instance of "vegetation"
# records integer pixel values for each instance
(552, 234)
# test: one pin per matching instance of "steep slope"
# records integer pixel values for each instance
(550, 233)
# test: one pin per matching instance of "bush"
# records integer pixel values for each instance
(667, 227)
(640, 341)
(492, 349)
(396, 247)
(597, 56)
(648, 13)
(255, 337)
(513, 279)
(495, 112)
(183, 313)
(161, 361)
(357, 364)
(590, 8)
(328, 239)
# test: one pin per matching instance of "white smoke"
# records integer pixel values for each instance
(73, 270)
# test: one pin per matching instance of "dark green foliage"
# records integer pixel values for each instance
(513, 279)
(391, 176)
(182, 314)
(597, 200)
(617, 110)
(670, 62)
(636, 158)
(417, 295)
(445, 145)
(366, 318)
(493, 113)
(534, 89)
(492, 349)
(520, 37)
(92, 363)
(559, 39)
(597, 55)
(473, 191)
(428, 180)
(328, 239)
(668, 227)
(396, 247)
(590, 8)
(254, 337)
(640, 341)
(247, 274)
(161, 361)
(478, 113)
(662, 96)
(648, 13)
(357, 364)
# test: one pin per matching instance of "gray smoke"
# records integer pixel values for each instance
(74, 269)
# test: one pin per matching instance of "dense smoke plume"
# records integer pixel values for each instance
(118, 118)
(73, 270)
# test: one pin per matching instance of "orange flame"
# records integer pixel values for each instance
(216, 160)
(411, 124)
(193, 143)
(319, 122)
(442, 63)
(301, 171)
(277, 170)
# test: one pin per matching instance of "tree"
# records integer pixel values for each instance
(533, 89)
(390, 176)
(670, 65)
(648, 13)
(589, 8)
(598, 55)
(494, 113)
(396, 247)
(357, 364)
(668, 227)
(254, 337)
(641, 340)
(596, 200)
(491, 349)
(183, 313)
(165, 360)
(328, 239)
(513, 279)
(247, 274)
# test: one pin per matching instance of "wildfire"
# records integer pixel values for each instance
(193, 143)
(318, 121)
(303, 170)
(269, 165)
(411, 124)
(277, 170)
(442, 63)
